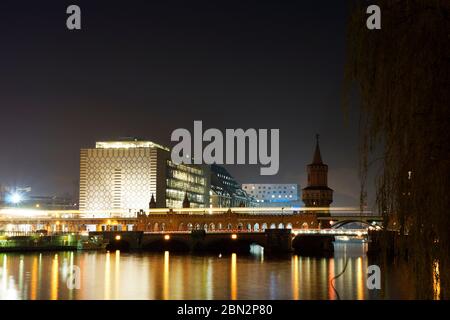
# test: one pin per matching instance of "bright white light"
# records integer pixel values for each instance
(16, 198)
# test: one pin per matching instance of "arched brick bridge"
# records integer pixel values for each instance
(229, 220)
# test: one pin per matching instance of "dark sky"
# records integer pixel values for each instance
(145, 68)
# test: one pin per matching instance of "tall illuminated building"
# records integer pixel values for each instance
(123, 175)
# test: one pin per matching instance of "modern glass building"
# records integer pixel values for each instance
(123, 175)
(226, 192)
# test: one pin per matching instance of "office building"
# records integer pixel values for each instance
(274, 194)
(123, 175)
(226, 192)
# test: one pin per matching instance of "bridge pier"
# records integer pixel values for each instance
(273, 241)
(278, 241)
(313, 244)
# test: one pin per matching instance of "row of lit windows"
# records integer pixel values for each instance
(186, 186)
(171, 203)
(266, 192)
(185, 168)
(179, 195)
(187, 177)
(264, 187)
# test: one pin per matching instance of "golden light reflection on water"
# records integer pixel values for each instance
(4, 276)
(119, 275)
(34, 271)
(54, 279)
(107, 291)
(233, 276)
(71, 270)
(209, 280)
(436, 281)
(295, 278)
(360, 285)
(166, 276)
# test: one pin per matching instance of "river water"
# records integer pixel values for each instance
(120, 275)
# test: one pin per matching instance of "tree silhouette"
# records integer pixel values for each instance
(401, 78)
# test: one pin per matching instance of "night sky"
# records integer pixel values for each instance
(145, 68)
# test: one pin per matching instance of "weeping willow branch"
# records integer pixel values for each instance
(401, 77)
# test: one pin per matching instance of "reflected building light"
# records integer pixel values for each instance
(8, 290)
(295, 278)
(71, 268)
(360, 275)
(209, 280)
(233, 276)
(166, 276)
(34, 271)
(21, 271)
(39, 273)
(54, 279)
(307, 280)
(107, 293)
(4, 275)
(436, 281)
(117, 276)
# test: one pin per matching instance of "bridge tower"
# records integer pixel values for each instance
(317, 193)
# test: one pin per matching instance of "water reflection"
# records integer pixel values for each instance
(233, 276)
(295, 278)
(54, 279)
(436, 281)
(166, 276)
(120, 275)
(107, 286)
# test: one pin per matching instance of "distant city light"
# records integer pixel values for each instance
(166, 237)
(234, 236)
(118, 237)
(16, 198)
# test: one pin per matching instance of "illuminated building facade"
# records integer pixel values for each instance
(123, 175)
(274, 195)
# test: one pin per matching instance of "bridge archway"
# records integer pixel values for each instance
(280, 226)
(264, 226)
(289, 226)
(341, 224)
(212, 227)
(189, 226)
(305, 225)
(256, 227)
(273, 226)
(156, 227)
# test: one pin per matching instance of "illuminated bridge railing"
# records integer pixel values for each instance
(37, 214)
(335, 232)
